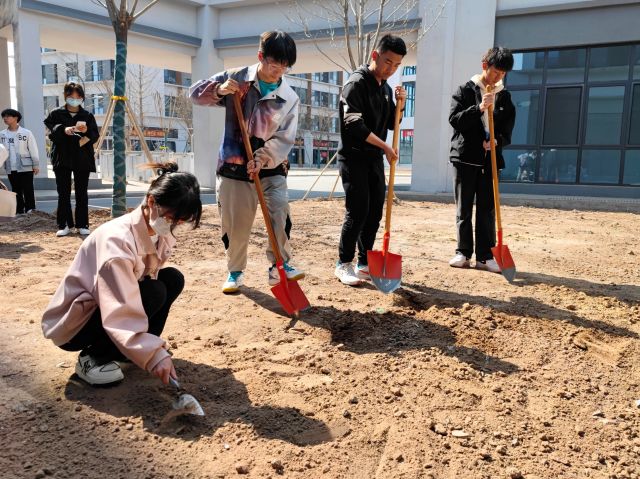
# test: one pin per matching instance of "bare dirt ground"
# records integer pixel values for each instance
(457, 375)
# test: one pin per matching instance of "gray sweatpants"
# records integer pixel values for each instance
(237, 204)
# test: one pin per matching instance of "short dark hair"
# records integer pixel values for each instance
(392, 43)
(278, 45)
(12, 112)
(71, 87)
(178, 191)
(500, 58)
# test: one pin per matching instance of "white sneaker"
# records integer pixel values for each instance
(489, 265)
(346, 274)
(84, 231)
(90, 371)
(459, 261)
(362, 271)
(233, 282)
(292, 273)
(63, 232)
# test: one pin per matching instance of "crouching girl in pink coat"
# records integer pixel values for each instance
(114, 300)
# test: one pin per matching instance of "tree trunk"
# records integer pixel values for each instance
(119, 202)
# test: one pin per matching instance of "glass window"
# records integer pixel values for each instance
(600, 166)
(632, 168)
(49, 74)
(562, 116)
(566, 66)
(72, 71)
(406, 146)
(604, 115)
(527, 69)
(410, 105)
(558, 166)
(527, 104)
(520, 166)
(170, 77)
(634, 128)
(609, 63)
(409, 70)
(636, 64)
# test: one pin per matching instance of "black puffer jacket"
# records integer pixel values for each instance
(468, 130)
(66, 151)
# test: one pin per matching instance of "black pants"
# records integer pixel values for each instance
(364, 187)
(157, 297)
(474, 182)
(22, 186)
(80, 186)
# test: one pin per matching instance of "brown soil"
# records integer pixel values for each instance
(456, 375)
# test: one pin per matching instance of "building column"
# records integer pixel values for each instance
(308, 148)
(5, 84)
(26, 39)
(448, 55)
(208, 122)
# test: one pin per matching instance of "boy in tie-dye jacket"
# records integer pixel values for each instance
(270, 107)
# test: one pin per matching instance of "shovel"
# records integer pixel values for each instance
(287, 292)
(501, 252)
(185, 403)
(385, 268)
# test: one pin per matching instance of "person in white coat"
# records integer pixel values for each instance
(22, 162)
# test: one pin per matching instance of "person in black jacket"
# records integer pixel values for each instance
(73, 131)
(471, 156)
(367, 111)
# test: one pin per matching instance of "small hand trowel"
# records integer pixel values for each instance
(185, 403)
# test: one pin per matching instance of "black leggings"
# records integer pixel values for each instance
(157, 297)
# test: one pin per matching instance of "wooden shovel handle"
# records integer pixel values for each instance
(494, 166)
(256, 178)
(392, 169)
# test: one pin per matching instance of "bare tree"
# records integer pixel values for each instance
(121, 18)
(355, 26)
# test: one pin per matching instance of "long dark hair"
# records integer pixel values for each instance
(177, 191)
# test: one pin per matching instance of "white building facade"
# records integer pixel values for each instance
(575, 84)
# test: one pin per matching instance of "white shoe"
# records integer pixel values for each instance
(63, 232)
(459, 261)
(346, 274)
(90, 371)
(362, 271)
(233, 282)
(489, 265)
(84, 231)
(292, 273)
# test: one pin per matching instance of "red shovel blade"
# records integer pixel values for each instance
(502, 255)
(385, 270)
(289, 294)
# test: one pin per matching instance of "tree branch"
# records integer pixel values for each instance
(379, 25)
(135, 17)
(133, 9)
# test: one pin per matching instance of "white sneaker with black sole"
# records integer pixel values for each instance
(63, 232)
(346, 274)
(459, 261)
(490, 265)
(88, 369)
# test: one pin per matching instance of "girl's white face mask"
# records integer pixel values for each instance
(158, 224)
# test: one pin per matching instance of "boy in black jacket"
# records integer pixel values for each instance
(471, 155)
(367, 111)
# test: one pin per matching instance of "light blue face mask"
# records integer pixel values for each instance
(74, 101)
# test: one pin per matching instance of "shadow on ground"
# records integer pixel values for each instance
(387, 332)
(223, 398)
